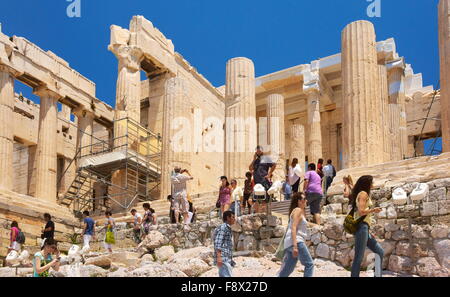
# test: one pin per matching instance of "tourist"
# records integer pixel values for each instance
(49, 229)
(148, 220)
(43, 260)
(14, 244)
(262, 167)
(348, 186)
(248, 190)
(287, 189)
(362, 204)
(223, 245)
(236, 198)
(110, 226)
(313, 190)
(179, 191)
(192, 210)
(88, 230)
(294, 179)
(295, 239)
(329, 173)
(137, 225)
(224, 195)
(320, 168)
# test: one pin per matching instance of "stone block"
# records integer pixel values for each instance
(400, 264)
(269, 245)
(442, 247)
(430, 209)
(403, 248)
(440, 231)
(265, 232)
(437, 194)
(429, 267)
(391, 227)
(444, 207)
(399, 235)
(323, 251)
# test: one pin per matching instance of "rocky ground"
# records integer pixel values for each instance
(165, 262)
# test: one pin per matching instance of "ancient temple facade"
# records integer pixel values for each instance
(361, 107)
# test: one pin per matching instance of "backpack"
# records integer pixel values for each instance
(20, 237)
(350, 224)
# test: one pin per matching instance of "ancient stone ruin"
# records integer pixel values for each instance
(364, 108)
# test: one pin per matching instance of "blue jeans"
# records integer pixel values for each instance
(287, 197)
(362, 240)
(226, 270)
(289, 262)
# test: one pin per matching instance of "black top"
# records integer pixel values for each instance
(261, 168)
(51, 233)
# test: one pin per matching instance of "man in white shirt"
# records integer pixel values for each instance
(294, 178)
(137, 225)
(329, 173)
(179, 193)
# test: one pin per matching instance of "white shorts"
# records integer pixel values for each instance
(16, 246)
(86, 240)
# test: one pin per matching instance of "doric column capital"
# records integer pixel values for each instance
(396, 65)
(128, 56)
(311, 79)
(46, 91)
(81, 112)
(8, 69)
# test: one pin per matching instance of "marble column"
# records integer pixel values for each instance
(361, 106)
(314, 141)
(85, 131)
(6, 127)
(128, 88)
(298, 143)
(388, 140)
(46, 159)
(276, 134)
(240, 113)
(177, 133)
(444, 53)
(397, 109)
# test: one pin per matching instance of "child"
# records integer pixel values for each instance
(248, 190)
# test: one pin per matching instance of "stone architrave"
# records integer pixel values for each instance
(361, 131)
(240, 113)
(444, 53)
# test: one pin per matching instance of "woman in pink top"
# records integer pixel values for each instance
(313, 189)
(14, 245)
(224, 195)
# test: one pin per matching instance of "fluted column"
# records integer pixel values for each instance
(298, 143)
(46, 159)
(6, 127)
(361, 107)
(276, 134)
(387, 140)
(240, 113)
(444, 53)
(85, 131)
(177, 133)
(128, 89)
(397, 109)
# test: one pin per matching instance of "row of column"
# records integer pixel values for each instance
(46, 154)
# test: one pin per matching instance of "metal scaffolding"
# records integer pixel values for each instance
(126, 168)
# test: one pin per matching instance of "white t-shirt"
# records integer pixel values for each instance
(136, 218)
(328, 170)
(293, 177)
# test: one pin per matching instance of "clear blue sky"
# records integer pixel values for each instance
(274, 34)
